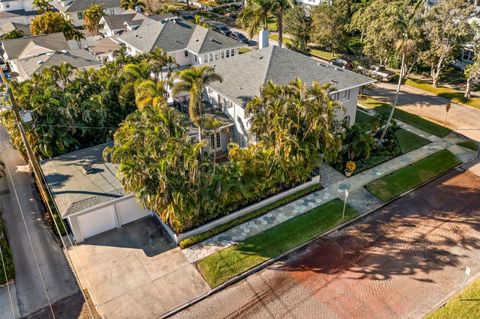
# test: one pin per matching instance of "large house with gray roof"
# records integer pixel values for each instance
(29, 55)
(244, 76)
(73, 10)
(188, 43)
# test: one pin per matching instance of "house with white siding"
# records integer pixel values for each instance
(73, 10)
(244, 76)
(188, 43)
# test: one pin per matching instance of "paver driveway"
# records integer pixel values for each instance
(400, 262)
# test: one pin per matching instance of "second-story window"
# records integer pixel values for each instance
(228, 53)
(80, 15)
(233, 52)
(186, 53)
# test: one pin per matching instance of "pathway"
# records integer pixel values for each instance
(462, 119)
(399, 262)
(335, 185)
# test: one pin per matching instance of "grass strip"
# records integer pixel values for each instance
(7, 256)
(466, 305)
(409, 141)
(230, 262)
(469, 144)
(192, 240)
(409, 118)
(404, 179)
(451, 94)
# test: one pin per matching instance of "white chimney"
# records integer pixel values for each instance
(263, 40)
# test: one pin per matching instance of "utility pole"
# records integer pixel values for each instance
(30, 154)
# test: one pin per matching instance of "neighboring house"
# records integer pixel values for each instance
(244, 75)
(104, 49)
(188, 43)
(74, 10)
(88, 193)
(21, 11)
(312, 3)
(128, 21)
(12, 26)
(29, 55)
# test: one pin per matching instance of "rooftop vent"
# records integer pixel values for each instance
(88, 169)
(39, 62)
(334, 81)
(64, 51)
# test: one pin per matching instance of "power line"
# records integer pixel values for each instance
(6, 276)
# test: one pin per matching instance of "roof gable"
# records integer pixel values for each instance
(15, 47)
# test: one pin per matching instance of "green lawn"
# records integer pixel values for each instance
(469, 144)
(409, 118)
(466, 305)
(232, 261)
(395, 184)
(313, 51)
(244, 50)
(409, 141)
(7, 256)
(190, 241)
(451, 94)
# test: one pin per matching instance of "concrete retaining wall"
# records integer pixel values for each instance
(239, 213)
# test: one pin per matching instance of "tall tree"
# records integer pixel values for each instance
(43, 5)
(132, 4)
(446, 30)
(405, 25)
(193, 81)
(330, 24)
(359, 21)
(255, 16)
(92, 17)
(298, 23)
(51, 22)
(279, 8)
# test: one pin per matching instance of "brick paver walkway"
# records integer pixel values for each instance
(335, 185)
(400, 262)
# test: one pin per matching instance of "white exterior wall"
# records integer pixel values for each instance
(217, 55)
(12, 5)
(182, 57)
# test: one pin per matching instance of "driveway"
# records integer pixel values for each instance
(399, 262)
(136, 271)
(23, 214)
(463, 119)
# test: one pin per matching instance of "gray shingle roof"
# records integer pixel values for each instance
(73, 190)
(10, 26)
(175, 36)
(54, 41)
(81, 5)
(245, 74)
(77, 58)
(116, 22)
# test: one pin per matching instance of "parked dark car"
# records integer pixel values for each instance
(223, 29)
(239, 37)
(342, 62)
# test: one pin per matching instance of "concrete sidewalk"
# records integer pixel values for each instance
(8, 302)
(462, 119)
(335, 185)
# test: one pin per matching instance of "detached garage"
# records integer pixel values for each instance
(88, 194)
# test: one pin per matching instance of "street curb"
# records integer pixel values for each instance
(283, 255)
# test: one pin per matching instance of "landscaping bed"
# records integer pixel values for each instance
(190, 241)
(397, 142)
(412, 119)
(465, 305)
(230, 262)
(397, 183)
(469, 144)
(7, 256)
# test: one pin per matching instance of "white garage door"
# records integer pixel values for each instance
(97, 222)
(129, 211)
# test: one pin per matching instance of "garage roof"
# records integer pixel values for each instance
(74, 189)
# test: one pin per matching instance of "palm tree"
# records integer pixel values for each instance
(406, 26)
(92, 17)
(150, 93)
(279, 8)
(43, 5)
(255, 16)
(157, 59)
(193, 81)
(132, 4)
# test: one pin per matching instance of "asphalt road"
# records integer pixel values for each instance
(23, 215)
(399, 262)
(462, 119)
